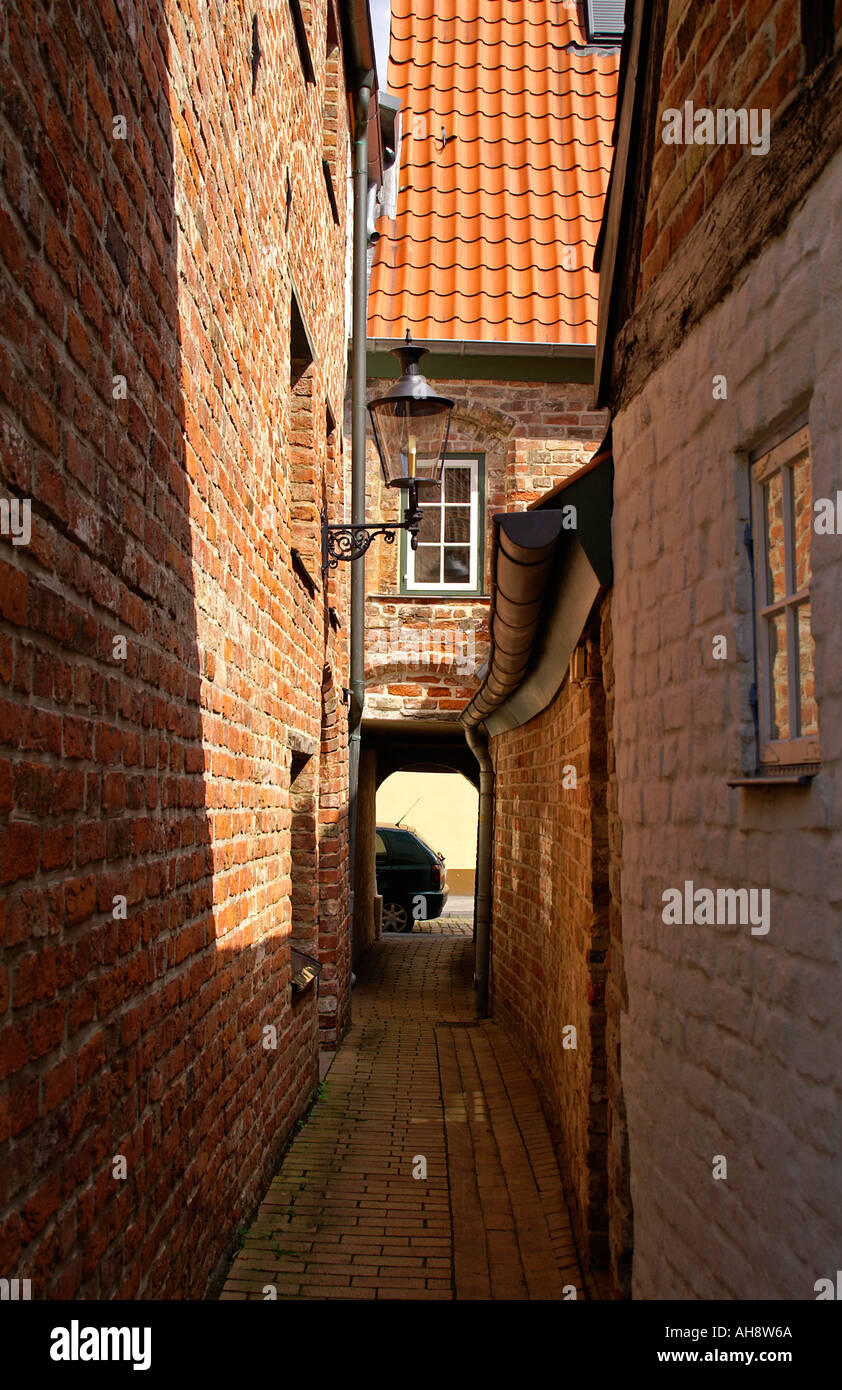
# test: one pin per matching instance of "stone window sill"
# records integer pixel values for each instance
(448, 597)
(795, 778)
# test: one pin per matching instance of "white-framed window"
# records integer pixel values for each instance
(449, 539)
(782, 527)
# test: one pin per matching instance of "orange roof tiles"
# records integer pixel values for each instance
(495, 228)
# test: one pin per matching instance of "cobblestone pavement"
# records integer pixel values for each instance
(417, 1085)
(442, 926)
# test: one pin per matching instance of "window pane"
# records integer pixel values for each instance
(802, 520)
(427, 564)
(379, 845)
(809, 720)
(457, 564)
(773, 506)
(457, 524)
(778, 679)
(430, 528)
(407, 848)
(457, 484)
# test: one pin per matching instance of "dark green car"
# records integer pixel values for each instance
(410, 878)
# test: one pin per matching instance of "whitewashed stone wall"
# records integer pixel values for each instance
(733, 1043)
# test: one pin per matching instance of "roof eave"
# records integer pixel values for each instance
(480, 347)
(618, 247)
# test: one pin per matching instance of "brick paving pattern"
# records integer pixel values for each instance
(442, 926)
(416, 1076)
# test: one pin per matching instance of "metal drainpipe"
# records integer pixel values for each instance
(482, 948)
(358, 463)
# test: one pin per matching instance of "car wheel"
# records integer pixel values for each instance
(396, 917)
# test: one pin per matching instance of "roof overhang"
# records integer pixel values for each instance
(547, 575)
(361, 71)
(478, 347)
(358, 45)
(619, 245)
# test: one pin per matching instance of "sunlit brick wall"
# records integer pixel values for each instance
(159, 658)
(556, 945)
(728, 55)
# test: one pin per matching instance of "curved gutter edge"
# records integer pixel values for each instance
(523, 552)
(524, 547)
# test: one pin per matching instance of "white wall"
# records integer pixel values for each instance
(733, 1043)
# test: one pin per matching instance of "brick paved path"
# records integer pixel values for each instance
(417, 1077)
(441, 926)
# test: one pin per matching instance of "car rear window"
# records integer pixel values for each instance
(408, 848)
(380, 849)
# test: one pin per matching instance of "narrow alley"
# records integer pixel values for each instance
(417, 1078)
(420, 680)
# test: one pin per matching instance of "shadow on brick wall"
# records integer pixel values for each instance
(142, 917)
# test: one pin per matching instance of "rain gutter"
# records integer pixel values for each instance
(356, 682)
(548, 564)
(481, 347)
(361, 78)
(546, 576)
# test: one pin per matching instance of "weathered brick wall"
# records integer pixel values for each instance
(729, 54)
(156, 776)
(532, 434)
(555, 942)
(422, 655)
(618, 1191)
(733, 1043)
(334, 938)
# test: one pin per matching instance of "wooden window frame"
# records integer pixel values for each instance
(447, 589)
(800, 750)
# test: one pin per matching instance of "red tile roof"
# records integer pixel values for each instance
(495, 229)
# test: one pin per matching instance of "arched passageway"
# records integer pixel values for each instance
(441, 807)
(415, 746)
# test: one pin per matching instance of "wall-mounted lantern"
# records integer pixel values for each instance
(411, 425)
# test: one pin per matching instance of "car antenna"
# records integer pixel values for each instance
(409, 808)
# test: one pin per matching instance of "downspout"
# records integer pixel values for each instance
(362, 101)
(478, 745)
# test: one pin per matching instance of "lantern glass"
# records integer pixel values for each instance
(411, 436)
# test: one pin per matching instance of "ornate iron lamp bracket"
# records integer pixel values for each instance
(341, 542)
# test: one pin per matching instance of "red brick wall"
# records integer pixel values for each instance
(532, 435)
(555, 941)
(726, 54)
(164, 518)
(617, 1172)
